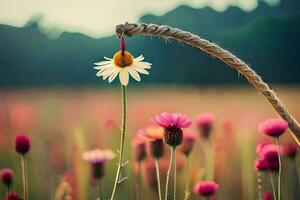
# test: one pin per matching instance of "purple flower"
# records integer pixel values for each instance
(172, 120)
(6, 176)
(267, 196)
(206, 188)
(97, 158)
(273, 127)
(261, 164)
(270, 153)
(13, 196)
(173, 124)
(290, 150)
(22, 144)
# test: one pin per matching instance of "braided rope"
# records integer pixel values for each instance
(130, 29)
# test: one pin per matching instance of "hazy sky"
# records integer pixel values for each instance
(98, 17)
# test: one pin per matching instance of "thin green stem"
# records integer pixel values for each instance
(24, 177)
(273, 186)
(158, 178)
(168, 173)
(187, 175)
(100, 189)
(175, 171)
(210, 161)
(121, 150)
(279, 171)
(259, 185)
(138, 187)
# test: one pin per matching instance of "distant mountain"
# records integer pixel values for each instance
(268, 38)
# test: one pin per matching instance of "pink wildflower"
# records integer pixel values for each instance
(273, 127)
(206, 188)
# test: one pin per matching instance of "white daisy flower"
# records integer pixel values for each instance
(122, 65)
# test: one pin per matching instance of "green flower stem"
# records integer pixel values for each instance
(158, 178)
(100, 189)
(175, 171)
(168, 173)
(121, 150)
(259, 179)
(138, 185)
(187, 174)
(210, 161)
(273, 186)
(279, 171)
(24, 177)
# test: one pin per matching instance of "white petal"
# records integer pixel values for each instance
(140, 70)
(124, 77)
(108, 73)
(134, 74)
(105, 72)
(106, 62)
(140, 58)
(103, 67)
(145, 65)
(114, 75)
(106, 58)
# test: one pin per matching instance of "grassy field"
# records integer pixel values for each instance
(63, 123)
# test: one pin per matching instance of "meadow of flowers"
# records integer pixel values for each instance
(63, 124)
(172, 144)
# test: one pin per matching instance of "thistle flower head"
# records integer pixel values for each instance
(139, 147)
(189, 138)
(155, 136)
(13, 196)
(267, 196)
(261, 164)
(6, 176)
(270, 152)
(273, 127)
(205, 123)
(290, 150)
(22, 144)
(206, 188)
(98, 156)
(153, 133)
(122, 64)
(173, 124)
(205, 119)
(172, 120)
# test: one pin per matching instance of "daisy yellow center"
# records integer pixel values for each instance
(123, 60)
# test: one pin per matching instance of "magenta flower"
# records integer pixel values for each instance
(139, 147)
(206, 188)
(260, 146)
(270, 153)
(189, 138)
(261, 164)
(172, 120)
(205, 119)
(205, 123)
(97, 158)
(173, 124)
(22, 144)
(267, 196)
(13, 196)
(6, 176)
(290, 150)
(273, 127)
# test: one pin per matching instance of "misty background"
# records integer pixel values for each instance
(35, 51)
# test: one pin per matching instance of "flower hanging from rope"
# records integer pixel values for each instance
(122, 64)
